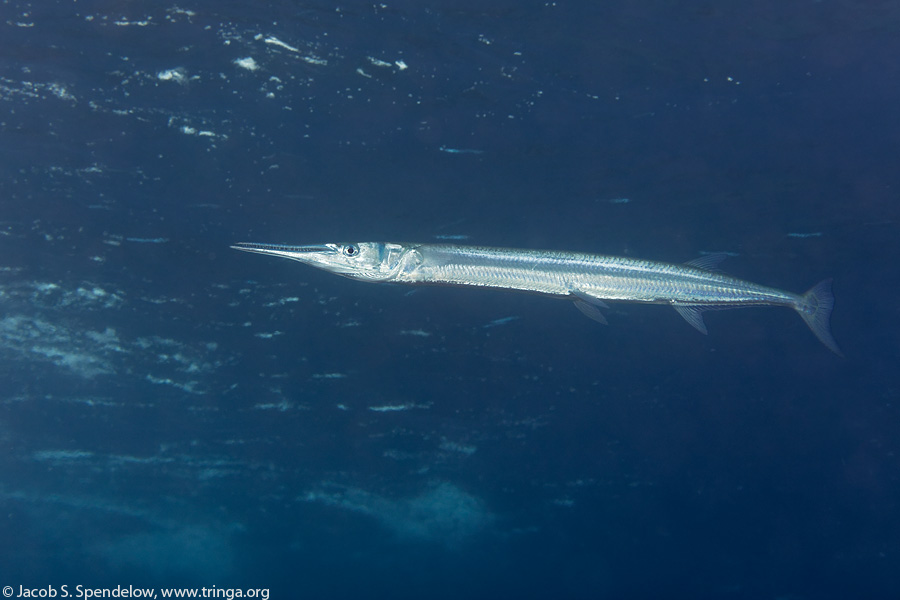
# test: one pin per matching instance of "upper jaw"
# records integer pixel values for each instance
(296, 252)
(323, 256)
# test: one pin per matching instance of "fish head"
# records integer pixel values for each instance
(369, 261)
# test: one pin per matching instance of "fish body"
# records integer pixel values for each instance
(588, 279)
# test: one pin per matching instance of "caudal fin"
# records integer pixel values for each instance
(815, 308)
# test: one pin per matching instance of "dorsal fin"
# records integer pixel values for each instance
(708, 262)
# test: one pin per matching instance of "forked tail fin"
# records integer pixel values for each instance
(815, 308)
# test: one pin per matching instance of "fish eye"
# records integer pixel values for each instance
(351, 250)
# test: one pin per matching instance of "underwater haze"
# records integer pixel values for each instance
(174, 413)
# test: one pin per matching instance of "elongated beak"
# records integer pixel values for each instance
(301, 253)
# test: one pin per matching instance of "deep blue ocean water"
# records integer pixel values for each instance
(174, 413)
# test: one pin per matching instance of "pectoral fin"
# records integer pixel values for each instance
(693, 315)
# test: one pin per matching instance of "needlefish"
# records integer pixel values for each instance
(590, 280)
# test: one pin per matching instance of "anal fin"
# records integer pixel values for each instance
(692, 314)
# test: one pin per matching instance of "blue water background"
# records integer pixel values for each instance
(174, 413)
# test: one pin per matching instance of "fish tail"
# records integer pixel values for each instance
(815, 308)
